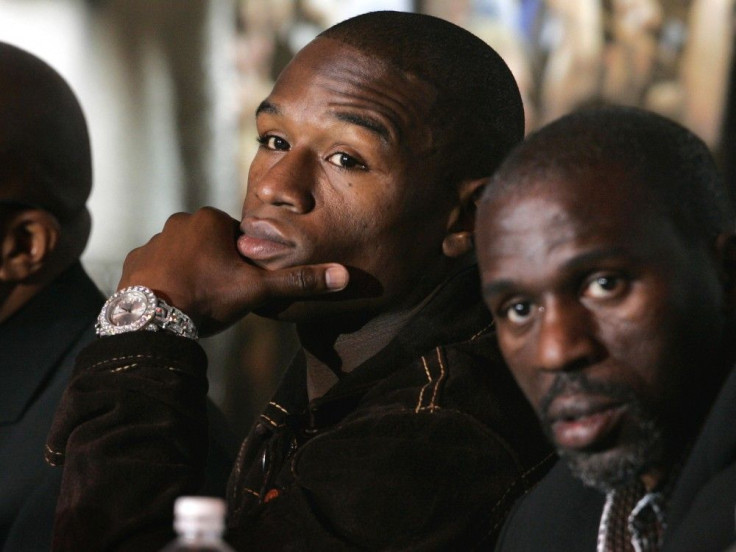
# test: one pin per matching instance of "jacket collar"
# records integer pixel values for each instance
(455, 313)
(36, 338)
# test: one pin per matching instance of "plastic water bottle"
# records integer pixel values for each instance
(199, 523)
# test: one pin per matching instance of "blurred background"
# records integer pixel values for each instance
(170, 88)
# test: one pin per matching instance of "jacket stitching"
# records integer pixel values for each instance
(123, 368)
(251, 491)
(175, 369)
(279, 407)
(439, 381)
(236, 474)
(127, 367)
(481, 332)
(537, 465)
(133, 365)
(53, 458)
(429, 382)
(521, 478)
(432, 406)
(271, 421)
(116, 359)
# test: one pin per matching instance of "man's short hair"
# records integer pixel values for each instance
(665, 158)
(478, 114)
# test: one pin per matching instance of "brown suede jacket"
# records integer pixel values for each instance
(424, 447)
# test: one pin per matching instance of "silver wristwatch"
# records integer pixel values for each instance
(137, 308)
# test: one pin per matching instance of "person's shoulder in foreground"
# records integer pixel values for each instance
(606, 247)
(397, 426)
(48, 304)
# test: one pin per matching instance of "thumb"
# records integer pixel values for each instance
(303, 281)
(256, 287)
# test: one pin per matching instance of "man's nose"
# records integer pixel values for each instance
(567, 337)
(287, 183)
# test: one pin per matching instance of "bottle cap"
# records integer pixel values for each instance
(195, 514)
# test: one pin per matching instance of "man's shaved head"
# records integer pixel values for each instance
(477, 115)
(672, 164)
(44, 145)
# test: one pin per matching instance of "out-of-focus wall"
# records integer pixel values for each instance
(157, 82)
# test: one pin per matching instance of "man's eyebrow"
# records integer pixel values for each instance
(369, 123)
(584, 260)
(496, 288)
(267, 107)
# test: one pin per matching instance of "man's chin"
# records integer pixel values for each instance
(603, 471)
(606, 470)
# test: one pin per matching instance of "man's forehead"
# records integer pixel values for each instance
(356, 89)
(562, 209)
(582, 189)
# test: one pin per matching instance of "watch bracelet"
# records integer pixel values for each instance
(172, 320)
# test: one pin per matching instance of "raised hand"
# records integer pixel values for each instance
(194, 265)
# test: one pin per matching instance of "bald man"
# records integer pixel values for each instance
(47, 302)
(606, 245)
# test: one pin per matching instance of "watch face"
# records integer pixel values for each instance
(137, 308)
(128, 308)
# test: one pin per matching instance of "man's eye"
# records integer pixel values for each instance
(605, 286)
(345, 161)
(518, 313)
(273, 143)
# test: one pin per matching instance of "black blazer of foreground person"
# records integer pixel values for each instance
(48, 304)
(608, 259)
(397, 426)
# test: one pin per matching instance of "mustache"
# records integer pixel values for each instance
(578, 382)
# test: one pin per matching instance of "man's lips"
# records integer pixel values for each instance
(261, 240)
(581, 422)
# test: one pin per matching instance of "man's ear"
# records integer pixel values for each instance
(726, 255)
(459, 239)
(29, 238)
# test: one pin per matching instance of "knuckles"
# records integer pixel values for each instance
(303, 279)
(176, 219)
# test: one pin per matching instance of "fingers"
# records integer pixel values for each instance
(304, 281)
(194, 265)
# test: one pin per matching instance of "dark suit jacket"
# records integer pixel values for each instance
(561, 514)
(38, 346)
(702, 511)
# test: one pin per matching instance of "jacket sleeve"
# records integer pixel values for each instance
(131, 433)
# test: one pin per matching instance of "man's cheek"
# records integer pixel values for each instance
(517, 359)
(532, 385)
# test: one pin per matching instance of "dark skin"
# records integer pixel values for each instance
(607, 317)
(35, 247)
(28, 241)
(343, 196)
